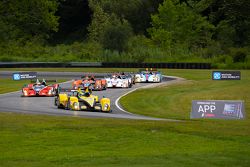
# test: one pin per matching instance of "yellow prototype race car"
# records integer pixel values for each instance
(82, 100)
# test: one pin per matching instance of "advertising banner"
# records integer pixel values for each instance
(222, 109)
(24, 75)
(226, 75)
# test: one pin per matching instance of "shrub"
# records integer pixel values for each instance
(239, 54)
(116, 36)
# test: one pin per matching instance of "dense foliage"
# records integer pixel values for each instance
(216, 31)
(25, 20)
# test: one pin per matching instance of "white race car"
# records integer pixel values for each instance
(148, 76)
(118, 81)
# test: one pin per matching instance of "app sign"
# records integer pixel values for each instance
(222, 109)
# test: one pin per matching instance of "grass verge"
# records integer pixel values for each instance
(174, 101)
(29, 140)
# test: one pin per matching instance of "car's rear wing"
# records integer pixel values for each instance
(149, 69)
(65, 90)
(41, 80)
(60, 89)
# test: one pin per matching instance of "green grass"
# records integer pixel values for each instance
(34, 140)
(9, 85)
(29, 140)
(174, 101)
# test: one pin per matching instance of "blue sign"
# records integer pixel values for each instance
(16, 77)
(217, 75)
(24, 75)
(226, 75)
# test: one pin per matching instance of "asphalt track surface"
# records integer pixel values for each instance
(13, 102)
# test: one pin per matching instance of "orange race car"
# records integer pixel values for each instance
(91, 83)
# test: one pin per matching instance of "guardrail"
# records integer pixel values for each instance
(105, 65)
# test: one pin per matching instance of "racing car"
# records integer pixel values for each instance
(119, 81)
(129, 76)
(90, 82)
(148, 75)
(39, 89)
(82, 100)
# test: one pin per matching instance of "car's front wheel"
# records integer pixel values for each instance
(67, 107)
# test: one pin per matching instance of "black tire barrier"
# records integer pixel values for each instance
(104, 65)
(159, 65)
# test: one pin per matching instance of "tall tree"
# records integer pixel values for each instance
(117, 34)
(99, 21)
(26, 19)
(234, 14)
(109, 29)
(231, 18)
(136, 12)
(178, 24)
(74, 18)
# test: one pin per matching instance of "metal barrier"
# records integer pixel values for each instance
(105, 65)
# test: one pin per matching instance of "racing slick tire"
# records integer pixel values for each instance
(130, 85)
(57, 103)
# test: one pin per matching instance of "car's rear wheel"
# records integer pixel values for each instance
(130, 85)
(57, 103)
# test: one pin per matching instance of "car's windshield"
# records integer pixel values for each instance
(38, 86)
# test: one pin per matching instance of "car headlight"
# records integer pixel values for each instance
(106, 106)
(25, 93)
(76, 106)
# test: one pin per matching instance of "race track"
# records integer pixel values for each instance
(13, 102)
